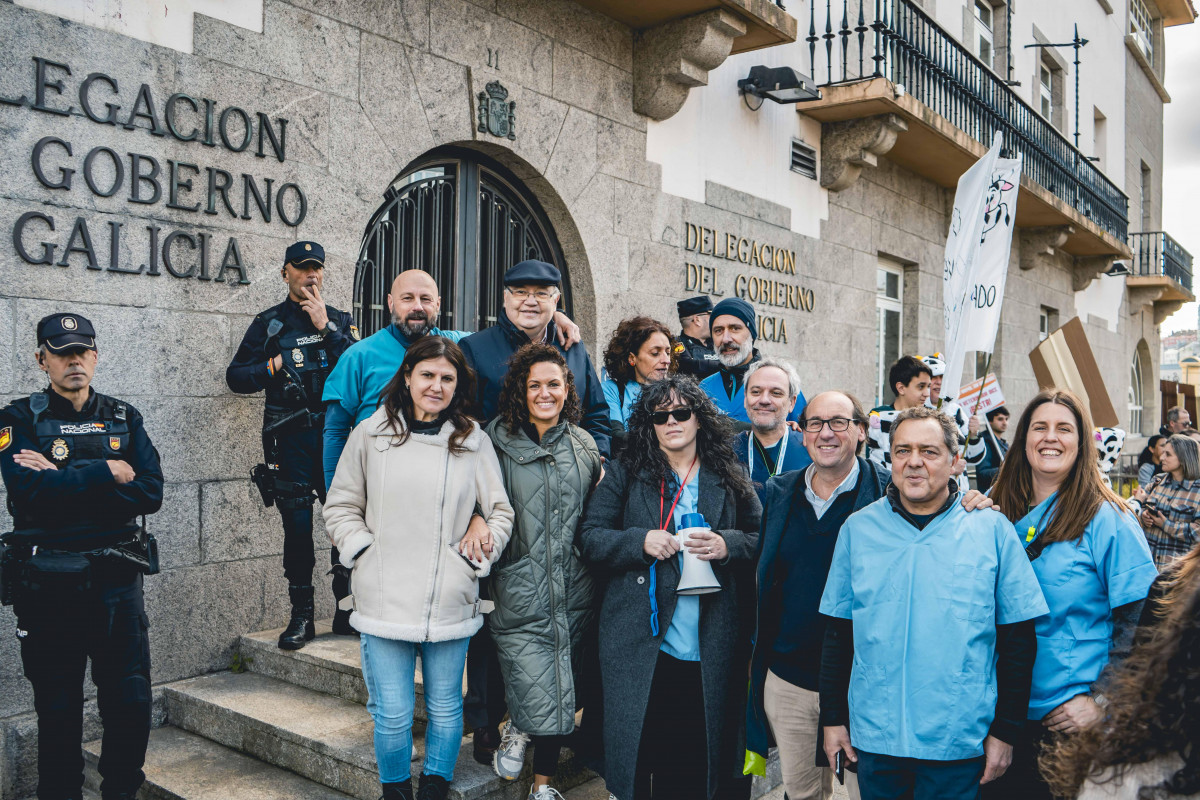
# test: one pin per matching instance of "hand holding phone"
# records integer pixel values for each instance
(839, 767)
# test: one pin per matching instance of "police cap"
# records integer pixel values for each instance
(532, 273)
(64, 332)
(693, 306)
(305, 255)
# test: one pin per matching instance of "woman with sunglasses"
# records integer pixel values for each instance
(673, 667)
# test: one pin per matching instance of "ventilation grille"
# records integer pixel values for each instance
(804, 159)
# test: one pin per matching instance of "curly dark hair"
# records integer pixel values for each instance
(714, 438)
(514, 409)
(627, 340)
(397, 399)
(1153, 709)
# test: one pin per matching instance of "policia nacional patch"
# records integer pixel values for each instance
(5, 438)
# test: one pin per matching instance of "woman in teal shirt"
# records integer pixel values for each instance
(1094, 567)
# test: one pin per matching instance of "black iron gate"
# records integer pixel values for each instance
(463, 219)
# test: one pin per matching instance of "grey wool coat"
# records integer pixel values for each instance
(543, 622)
(622, 510)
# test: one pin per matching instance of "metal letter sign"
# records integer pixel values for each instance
(496, 116)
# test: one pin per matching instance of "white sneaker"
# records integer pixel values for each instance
(509, 758)
(544, 793)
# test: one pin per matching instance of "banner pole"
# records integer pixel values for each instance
(979, 397)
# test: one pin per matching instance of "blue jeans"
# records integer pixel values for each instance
(883, 777)
(388, 668)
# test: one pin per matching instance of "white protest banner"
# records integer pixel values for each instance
(991, 396)
(962, 250)
(991, 264)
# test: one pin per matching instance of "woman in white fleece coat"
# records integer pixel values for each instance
(399, 512)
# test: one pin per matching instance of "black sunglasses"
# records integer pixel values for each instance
(680, 415)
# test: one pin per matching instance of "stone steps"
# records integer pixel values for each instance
(184, 766)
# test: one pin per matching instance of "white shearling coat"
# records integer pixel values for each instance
(409, 505)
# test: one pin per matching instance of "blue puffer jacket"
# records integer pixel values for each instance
(488, 353)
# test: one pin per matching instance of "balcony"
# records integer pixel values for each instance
(1162, 273)
(887, 64)
(766, 23)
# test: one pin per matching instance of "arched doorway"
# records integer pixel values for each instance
(465, 219)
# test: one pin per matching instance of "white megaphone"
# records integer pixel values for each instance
(696, 576)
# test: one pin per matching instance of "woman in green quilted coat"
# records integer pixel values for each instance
(543, 623)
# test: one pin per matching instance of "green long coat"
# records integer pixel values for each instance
(542, 590)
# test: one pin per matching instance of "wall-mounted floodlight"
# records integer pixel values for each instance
(780, 84)
(1119, 269)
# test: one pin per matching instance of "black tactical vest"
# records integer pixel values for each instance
(305, 354)
(79, 443)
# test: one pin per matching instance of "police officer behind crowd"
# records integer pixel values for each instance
(698, 358)
(288, 351)
(80, 470)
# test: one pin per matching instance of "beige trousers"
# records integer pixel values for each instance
(794, 716)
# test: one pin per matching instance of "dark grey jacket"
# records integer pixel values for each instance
(622, 510)
(543, 592)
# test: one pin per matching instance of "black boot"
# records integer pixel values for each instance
(341, 589)
(402, 790)
(433, 787)
(300, 629)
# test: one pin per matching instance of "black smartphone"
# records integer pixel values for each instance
(839, 766)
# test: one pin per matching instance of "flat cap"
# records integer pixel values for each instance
(63, 332)
(694, 305)
(532, 273)
(306, 255)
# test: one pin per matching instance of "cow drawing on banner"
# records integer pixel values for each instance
(995, 208)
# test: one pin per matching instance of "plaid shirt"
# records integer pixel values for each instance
(1179, 502)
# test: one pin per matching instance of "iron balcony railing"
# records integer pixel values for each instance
(1156, 253)
(894, 39)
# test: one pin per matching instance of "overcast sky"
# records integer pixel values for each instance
(1181, 153)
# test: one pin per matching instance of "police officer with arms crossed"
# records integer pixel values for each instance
(80, 470)
(289, 350)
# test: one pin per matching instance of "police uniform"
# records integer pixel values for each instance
(293, 420)
(696, 357)
(70, 571)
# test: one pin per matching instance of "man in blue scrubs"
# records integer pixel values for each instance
(770, 447)
(929, 651)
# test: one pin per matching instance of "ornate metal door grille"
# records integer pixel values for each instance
(463, 220)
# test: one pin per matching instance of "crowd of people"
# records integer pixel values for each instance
(675, 565)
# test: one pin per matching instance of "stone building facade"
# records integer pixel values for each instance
(153, 183)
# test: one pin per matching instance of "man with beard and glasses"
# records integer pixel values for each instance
(734, 332)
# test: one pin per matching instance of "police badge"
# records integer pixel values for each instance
(59, 450)
(497, 114)
(298, 357)
(114, 442)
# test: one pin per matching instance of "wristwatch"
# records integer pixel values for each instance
(330, 327)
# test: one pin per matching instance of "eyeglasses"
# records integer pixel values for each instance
(541, 295)
(680, 415)
(836, 424)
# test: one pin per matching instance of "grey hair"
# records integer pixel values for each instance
(1173, 414)
(1188, 452)
(949, 429)
(793, 377)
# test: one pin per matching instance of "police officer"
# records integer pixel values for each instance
(697, 358)
(288, 351)
(80, 470)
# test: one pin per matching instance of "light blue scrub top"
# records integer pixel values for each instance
(1083, 581)
(925, 605)
(619, 411)
(683, 635)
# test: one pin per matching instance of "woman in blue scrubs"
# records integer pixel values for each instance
(1094, 567)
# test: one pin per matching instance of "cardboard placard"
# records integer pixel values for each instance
(990, 398)
(1065, 361)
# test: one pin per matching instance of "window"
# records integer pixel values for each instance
(1099, 138)
(804, 159)
(889, 304)
(1135, 393)
(1046, 91)
(463, 218)
(984, 36)
(1047, 323)
(1145, 193)
(1141, 28)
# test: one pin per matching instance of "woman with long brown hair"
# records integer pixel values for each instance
(399, 511)
(640, 351)
(1149, 742)
(1094, 568)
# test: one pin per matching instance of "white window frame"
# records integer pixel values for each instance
(883, 304)
(1136, 398)
(1141, 28)
(1046, 91)
(1043, 324)
(985, 31)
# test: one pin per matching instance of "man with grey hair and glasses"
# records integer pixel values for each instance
(770, 447)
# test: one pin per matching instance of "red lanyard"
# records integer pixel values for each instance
(662, 490)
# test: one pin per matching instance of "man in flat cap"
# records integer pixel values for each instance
(734, 331)
(288, 351)
(698, 358)
(80, 470)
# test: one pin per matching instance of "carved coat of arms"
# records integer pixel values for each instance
(497, 114)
